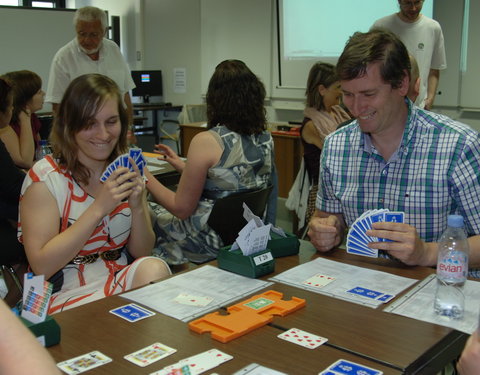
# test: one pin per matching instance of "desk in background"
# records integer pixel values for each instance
(163, 171)
(288, 153)
(153, 129)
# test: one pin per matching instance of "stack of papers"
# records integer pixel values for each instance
(255, 235)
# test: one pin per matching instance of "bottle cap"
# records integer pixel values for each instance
(455, 221)
(43, 142)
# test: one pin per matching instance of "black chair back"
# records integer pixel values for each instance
(226, 217)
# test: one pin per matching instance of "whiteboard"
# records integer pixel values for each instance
(31, 37)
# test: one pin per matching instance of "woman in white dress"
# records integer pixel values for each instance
(79, 232)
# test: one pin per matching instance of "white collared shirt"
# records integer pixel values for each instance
(70, 62)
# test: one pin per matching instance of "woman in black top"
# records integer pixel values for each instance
(10, 185)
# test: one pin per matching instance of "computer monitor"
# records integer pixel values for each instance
(148, 82)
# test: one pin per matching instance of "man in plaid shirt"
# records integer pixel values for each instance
(396, 156)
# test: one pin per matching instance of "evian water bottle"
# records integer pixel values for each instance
(452, 269)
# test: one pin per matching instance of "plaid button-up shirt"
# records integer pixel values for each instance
(434, 172)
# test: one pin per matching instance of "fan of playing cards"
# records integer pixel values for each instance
(123, 161)
(357, 240)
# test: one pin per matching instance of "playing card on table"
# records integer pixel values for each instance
(132, 312)
(188, 299)
(302, 338)
(175, 369)
(372, 294)
(256, 369)
(205, 361)
(83, 363)
(319, 280)
(196, 364)
(150, 354)
(343, 367)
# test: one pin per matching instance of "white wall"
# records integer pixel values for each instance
(242, 30)
(168, 34)
(172, 40)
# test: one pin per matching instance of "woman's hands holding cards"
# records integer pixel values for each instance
(135, 199)
(121, 185)
(170, 156)
(403, 243)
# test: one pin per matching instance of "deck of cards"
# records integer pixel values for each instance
(357, 239)
(124, 161)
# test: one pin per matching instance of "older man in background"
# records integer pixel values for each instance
(89, 52)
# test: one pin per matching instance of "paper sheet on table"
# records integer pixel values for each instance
(223, 286)
(154, 161)
(419, 305)
(346, 277)
(153, 168)
(153, 158)
(154, 164)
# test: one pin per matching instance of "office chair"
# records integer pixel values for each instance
(192, 113)
(226, 217)
(46, 121)
(12, 263)
(8, 269)
(164, 134)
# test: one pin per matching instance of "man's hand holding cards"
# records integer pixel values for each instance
(358, 240)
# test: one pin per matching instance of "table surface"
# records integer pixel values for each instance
(410, 345)
(92, 327)
(165, 173)
(391, 343)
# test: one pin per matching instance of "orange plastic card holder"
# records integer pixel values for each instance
(246, 316)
